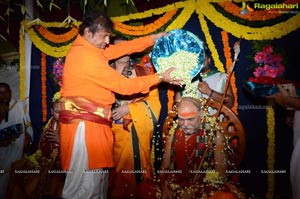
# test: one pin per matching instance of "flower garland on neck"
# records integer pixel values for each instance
(214, 179)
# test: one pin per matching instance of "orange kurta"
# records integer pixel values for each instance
(88, 74)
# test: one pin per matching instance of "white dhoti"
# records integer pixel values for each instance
(80, 181)
(295, 159)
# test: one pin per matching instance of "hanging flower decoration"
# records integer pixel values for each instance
(227, 53)
(269, 63)
(44, 86)
(57, 70)
(269, 71)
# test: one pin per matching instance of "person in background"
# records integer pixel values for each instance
(135, 119)
(49, 181)
(282, 98)
(49, 141)
(15, 133)
(49, 145)
(210, 83)
(88, 90)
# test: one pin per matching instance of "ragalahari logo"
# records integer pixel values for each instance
(246, 8)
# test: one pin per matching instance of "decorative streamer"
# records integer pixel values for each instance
(181, 20)
(258, 15)
(249, 33)
(147, 29)
(44, 86)
(54, 51)
(271, 151)
(22, 62)
(57, 46)
(214, 53)
(227, 53)
(57, 38)
(150, 13)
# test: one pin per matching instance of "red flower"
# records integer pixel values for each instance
(269, 64)
(268, 49)
(58, 67)
(202, 132)
(268, 80)
(201, 146)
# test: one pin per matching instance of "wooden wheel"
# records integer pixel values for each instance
(233, 128)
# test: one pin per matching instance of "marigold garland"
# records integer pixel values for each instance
(147, 29)
(22, 62)
(271, 151)
(53, 44)
(156, 11)
(256, 15)
(44, 86)
(183, 17)
(268, 32)
(57, 38)
(251, 23)
(60, 50)
(203, 9)
(227, 53)
(54, 51)
(210, 43)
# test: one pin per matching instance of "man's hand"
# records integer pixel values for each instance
(4, 108)
(280, 98)
(27, 142)
(166, 77)
(165, 192)
(120, 112)
(155, 37)
(204, 88)
(53, 135)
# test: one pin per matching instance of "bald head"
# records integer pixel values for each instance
(189, 115)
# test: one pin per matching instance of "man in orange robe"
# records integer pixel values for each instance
(87, 92)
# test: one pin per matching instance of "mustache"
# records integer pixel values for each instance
(188, 129)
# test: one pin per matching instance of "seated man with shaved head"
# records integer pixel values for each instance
(195, 160)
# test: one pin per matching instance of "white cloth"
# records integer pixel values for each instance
(215, 80)
(14, 151)
(80, 181)
(295, 159)
(296, 126)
